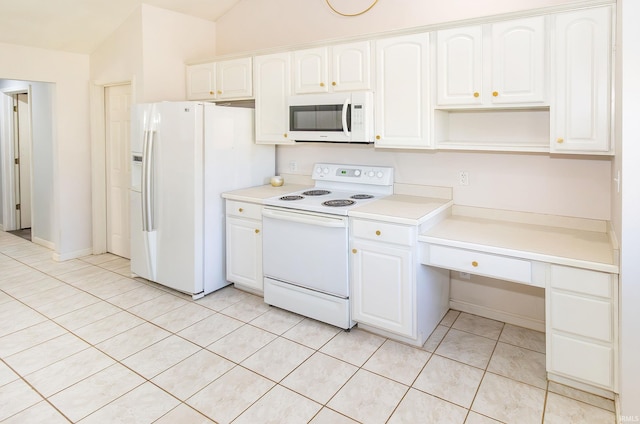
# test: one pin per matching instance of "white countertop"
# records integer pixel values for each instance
(568, 246)
(259, 193)
(401, 209)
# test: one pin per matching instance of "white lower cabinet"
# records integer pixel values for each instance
(391, 292)
(582, 326)
(244, 245)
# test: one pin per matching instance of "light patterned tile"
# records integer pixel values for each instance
(435, 338)
(223, 298)
(160, 356)
(15, 397)
(242, 343)
(46, 353)
(509, 401)
(136, 296)
(576, 394)
(66, 305)
(466, 347)
(99, 259)
(449, 318)
(233, 393)
(29, 337)
(37, 300)
(6, 374)
(109, 289)
(475, 418)
(87, 315)
(312, 333)
(182, 317)
(31, 289)
(158, 306)
(108, 327)
(367, 397)
(277, 320)
(561, 410)
(182, 414)
(277, 359)
(247, 309)
(210, 329)
(145, 404)
(523, 337)
(355, 346)
(41, 412)
(450, 380)
(320, 377)
(282, 406)
(478, 325)
(192, 374)
(96, 391)
(397, 361)
(132, 341)
(328, 416)
(519, 364)
(418, 407)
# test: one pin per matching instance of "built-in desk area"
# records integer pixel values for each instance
(576, 262)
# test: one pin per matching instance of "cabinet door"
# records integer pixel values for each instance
(402, 81)
(311, 71)
(351, 67)
(580, 114)
(460, 66)
(234, 79)
(382, 289)
(273, 86)
(518, 61)
(201, 80)
(244, 252)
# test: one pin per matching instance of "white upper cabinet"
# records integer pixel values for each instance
(345, 67)
(492, 65)
(224, 80)
(580, 115)
(272, 86)
(402, 87)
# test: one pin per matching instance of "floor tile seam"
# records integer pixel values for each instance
(577, 400)
(43, 399)
(581, 391)
(439, 343)
(522, 347)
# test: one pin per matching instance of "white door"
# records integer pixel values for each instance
(118, 119)
(23, 162)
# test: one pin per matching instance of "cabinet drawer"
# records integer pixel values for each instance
(584, 316)
(589, 362)
(244, 210)
(473, 262)
(382, 231)
(581, 281)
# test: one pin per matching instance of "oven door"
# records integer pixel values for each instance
(306, 249)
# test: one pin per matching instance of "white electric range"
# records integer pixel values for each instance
(306, 240)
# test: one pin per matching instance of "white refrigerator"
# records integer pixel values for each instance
(184, 155)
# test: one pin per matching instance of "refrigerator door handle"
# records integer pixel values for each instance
(147, 181)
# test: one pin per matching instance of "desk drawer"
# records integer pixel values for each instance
(244, 210)
(473, 262)
(383, 231)
(582, 316)
(581, 281)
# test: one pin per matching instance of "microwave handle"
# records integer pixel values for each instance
(345, 129)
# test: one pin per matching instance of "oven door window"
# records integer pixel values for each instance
(318, 118)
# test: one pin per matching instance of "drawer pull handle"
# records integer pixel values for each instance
(354, 250)
(474, 263)
(378, 232)
(240, 210)
(257, 231)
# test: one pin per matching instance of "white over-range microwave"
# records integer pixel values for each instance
(335, 117)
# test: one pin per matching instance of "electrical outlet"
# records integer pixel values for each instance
(293, 166)
(463, 178)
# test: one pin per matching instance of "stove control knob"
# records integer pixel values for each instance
(357, 172)
(379, 174)
(318, 170)
(371, 174)
(325, 170)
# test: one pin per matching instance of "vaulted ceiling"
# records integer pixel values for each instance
(79, 26)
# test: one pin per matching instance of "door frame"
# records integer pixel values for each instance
(7, 153)
(99, 161)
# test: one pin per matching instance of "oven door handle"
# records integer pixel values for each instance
(320, 221)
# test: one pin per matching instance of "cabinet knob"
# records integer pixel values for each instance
(560, 140)
(333, 83)
(495, 94)
(354, 250)
(474, 263)
(285, 135)
(219, 92)
(476, 94)
(378, 137)
(378, 232)
(211, 92)
(321, 84)
(240, 210)
(257, 231)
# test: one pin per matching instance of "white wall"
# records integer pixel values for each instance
(70, 154)
(290, 22)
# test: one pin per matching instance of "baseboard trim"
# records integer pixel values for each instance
(42, 242)
(72, 255)
(508, 317)
(1, 227)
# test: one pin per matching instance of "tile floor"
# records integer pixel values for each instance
(80, 341)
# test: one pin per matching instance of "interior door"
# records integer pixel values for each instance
(118, 124)
(23, 161)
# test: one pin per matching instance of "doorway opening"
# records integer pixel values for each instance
(22, 164)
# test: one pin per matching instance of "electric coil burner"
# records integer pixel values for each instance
(305, 239)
